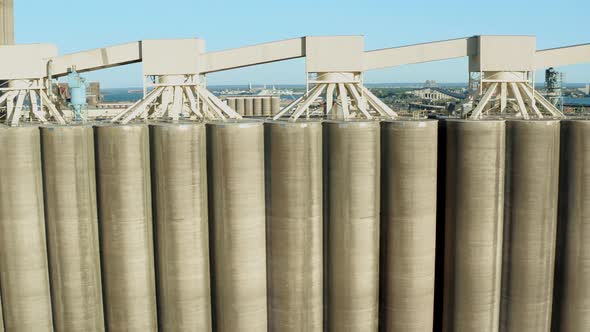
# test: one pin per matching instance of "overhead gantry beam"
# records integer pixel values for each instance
(562, 56)
(96, 59)
(252, 55)
(210, 62)
(418, 53)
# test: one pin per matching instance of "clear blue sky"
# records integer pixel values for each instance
(78, 25)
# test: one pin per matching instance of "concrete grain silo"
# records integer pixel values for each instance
(231, 102)
(125, 219)
(24, 277)
(353, 193)
(257, 111)
(474, 196)
(179, 165)
(237, 220)
(530, 219)
(275, 105)
(571, 312)
(249, 106)
(266, 106)
(294, 225)
(1, 317)
(240, 104)
(408, 224)
(72, 227)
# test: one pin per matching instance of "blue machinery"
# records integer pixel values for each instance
(77, 86)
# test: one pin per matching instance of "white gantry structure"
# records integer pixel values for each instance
(23, 69)
(502, 68)
(174, 71)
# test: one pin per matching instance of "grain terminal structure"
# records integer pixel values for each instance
(178, 214)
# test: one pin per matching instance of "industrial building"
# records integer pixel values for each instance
(436, 94)
(185, 212)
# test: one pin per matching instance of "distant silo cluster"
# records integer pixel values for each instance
(255, 106)
(308, 225)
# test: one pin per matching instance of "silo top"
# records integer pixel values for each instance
(241, 123)
(360, 123)
(411, 123)
(299, 123)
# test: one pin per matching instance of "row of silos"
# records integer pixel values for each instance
(294, 226)
(502, 224)
(571, 307)
(255, 106)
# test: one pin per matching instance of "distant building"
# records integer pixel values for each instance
(430, 84)
(436, 94)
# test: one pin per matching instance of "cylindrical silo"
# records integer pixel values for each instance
(240, 105)
(294, 225)
(1, 317)
(182, 246)
(72, 227)
(530, 219)
(249, 106)
(24, 276)
(353, 171)
(238, 227)
(571, 310)
(231, 102)
(474, 219)
(439, 277)
(257, 111)
(125, 219)
(275, 105)
(408, 224)
(266, 106)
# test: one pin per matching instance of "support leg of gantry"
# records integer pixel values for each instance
(35, 107)
(202, 103)
(343, 96)
(10, 103)
(377, 104)
(4, 96)
(218, 112)
(193, 104)
(519, 101)
(503, 96)
(177, 104)
(307, 102)
(329, 98)
(141, 107)
(53, 111)
(218, 103)
(165, 101)
(529, 94)
(16, 114)
(484, 101)
(293, 104)
(360, 101)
